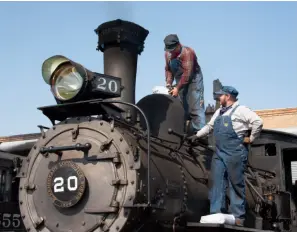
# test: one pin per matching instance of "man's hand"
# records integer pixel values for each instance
(193, 139)
(174, 92)
(246, 140)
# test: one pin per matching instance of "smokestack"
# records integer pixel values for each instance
(121, 42)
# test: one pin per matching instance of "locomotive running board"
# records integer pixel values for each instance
(195, 226)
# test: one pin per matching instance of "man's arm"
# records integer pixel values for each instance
(254, 121)
(187, 62)
(168, 74)
(208, 128)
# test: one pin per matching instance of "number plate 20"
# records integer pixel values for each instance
(66, 184)
(107, 84)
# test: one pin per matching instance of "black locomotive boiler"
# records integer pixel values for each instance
(108, 164)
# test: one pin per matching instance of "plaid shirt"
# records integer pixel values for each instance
(189, 65)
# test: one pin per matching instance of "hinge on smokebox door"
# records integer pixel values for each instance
(106, 144)
(21, 166)
(113, 207)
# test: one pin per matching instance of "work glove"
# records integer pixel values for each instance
(193, 139)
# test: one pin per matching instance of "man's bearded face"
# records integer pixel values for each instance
(223, 99)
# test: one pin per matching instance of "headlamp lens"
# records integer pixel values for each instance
(66, 82)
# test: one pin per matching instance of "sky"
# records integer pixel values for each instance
(249, 45)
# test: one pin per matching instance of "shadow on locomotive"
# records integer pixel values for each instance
(108, 164)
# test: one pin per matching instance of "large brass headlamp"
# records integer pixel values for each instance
(66, 78)
(70, 81)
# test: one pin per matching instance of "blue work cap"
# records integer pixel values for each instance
(228, 90)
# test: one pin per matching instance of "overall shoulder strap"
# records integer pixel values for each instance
(233, 110)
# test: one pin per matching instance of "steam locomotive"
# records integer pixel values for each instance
(108, 164)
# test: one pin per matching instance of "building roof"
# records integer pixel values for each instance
(276, 112)
(279, 119)
(20, 137)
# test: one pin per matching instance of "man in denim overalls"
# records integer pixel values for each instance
(230, 124)
(182, 66)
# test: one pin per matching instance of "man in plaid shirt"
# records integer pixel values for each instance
(183, 68)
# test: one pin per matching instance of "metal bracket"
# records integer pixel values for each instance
(30, 186)
(104, 156)
(75, 132)
(42, 130)
(106, 144)
(23, 168)
(119, 182)
(112, 208)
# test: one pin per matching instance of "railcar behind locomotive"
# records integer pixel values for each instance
(108, 164)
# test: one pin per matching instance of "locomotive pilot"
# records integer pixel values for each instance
(182, 66)
(230, 124)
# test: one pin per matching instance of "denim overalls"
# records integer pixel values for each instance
(190, 95)
(227, 168)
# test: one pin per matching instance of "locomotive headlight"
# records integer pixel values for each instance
(71, 82)
(66, 78)
(66, 82)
